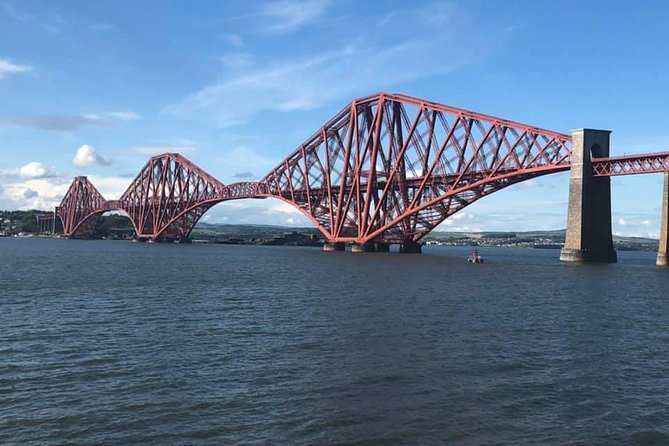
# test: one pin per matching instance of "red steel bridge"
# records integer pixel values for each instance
(385, 170)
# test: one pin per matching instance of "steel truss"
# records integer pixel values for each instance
(386, 169)
(80, 207)
(389, 168)
(631, 164)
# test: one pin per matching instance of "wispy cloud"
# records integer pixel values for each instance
(52, 24)
(8, 68)
(69, 123)
(243, 159)
(111, 187)
(102, 27)
(290, 15)
(243, 175)
(233, 40)
(369, 62)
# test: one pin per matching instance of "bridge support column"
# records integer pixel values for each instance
(589, 237)
(363, 247)
(411, 248)
(382, 247)
(663, 251)
(331, 247)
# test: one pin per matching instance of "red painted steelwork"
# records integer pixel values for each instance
(388, 168)
(169, 196)
(631, 164)
(78, 209)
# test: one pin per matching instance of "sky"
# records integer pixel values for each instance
(96, 88)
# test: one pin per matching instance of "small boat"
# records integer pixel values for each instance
(474, 257)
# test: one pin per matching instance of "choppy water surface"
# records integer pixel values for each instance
(118, 343)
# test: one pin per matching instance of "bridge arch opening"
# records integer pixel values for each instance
(253, 221)
(115, 225)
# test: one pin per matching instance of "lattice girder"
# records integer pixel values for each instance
(169, 196)
(82, 203)
(388, 166)
(631, 164)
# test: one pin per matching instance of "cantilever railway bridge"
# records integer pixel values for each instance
(385, 170)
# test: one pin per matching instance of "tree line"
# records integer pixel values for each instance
(17, 222)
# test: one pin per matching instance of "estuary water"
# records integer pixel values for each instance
(118, 343)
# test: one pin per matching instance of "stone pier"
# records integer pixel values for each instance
(382, 247)
(664, 226)
(411, 248)
(331, 247)
(363, 247)
(589, 237)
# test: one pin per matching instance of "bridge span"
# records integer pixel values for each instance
(387, 169)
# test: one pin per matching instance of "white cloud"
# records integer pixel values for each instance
(42, 193)
(289, 15)
(159, 150)
(46, 193)
(637, 226)
(87, 156)
(8, 68)
(267, 212)
(371, 60)
(111, 187)
(32, 170)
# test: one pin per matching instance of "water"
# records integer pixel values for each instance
(118, 343)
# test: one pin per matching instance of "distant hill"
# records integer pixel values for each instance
(111, 226)
(533, 238)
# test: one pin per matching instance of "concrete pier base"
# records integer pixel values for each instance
(331, 247)
(411, 248)
(589, 237)
(664, 226)
(363, 247)
(382, 247)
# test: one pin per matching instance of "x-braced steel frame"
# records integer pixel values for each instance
(386, 169)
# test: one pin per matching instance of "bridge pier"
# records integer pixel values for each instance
(409, 247)
(382, 247)
(331, 247)
(589, 237)
(663, 251)
(363, 247)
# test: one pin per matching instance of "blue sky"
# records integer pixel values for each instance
(95, 88)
